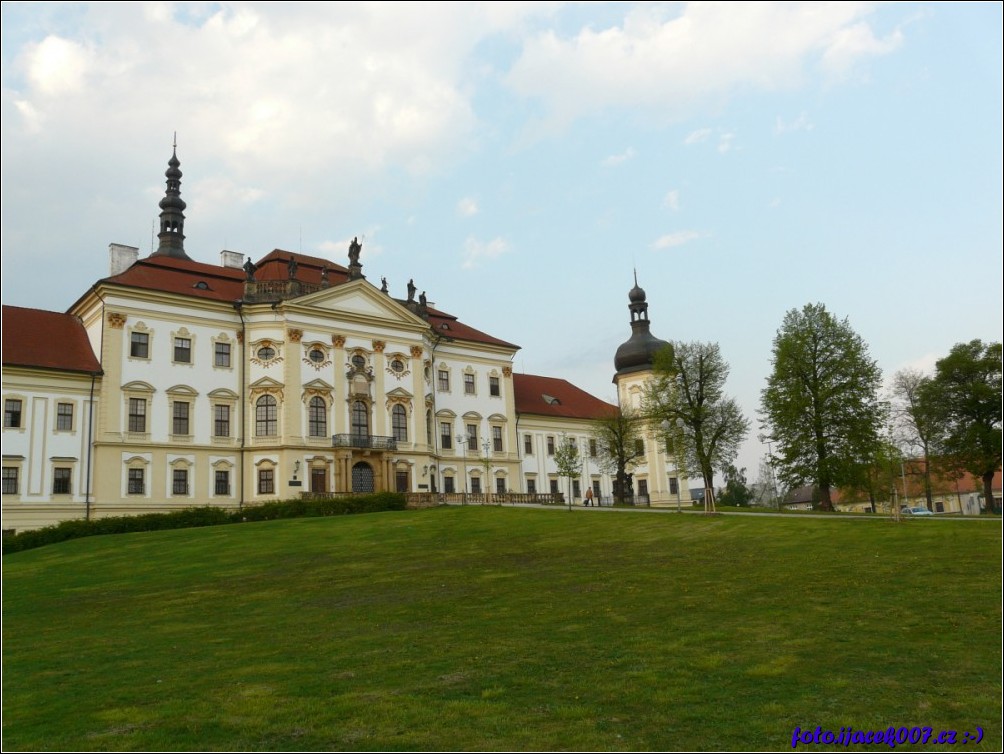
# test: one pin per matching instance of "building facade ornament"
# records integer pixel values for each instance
(116, 321)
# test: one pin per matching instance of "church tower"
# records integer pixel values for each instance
(658, 479)
(172, 214)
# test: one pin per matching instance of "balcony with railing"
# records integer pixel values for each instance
(368, 442)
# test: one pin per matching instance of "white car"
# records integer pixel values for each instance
(917, 510)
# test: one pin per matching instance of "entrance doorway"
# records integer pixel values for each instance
(362, 477)
(318, 480)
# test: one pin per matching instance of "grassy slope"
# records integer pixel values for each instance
(502, 629)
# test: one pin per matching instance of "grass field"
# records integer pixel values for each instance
(490, 628)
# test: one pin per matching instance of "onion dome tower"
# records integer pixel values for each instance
(637, 353)
(172, 213)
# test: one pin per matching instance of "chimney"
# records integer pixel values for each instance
(232, 259)
(121, 257)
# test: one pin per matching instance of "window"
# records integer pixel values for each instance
(596, 490)
(137, 481)
(222, 486)
(61, 481)
(468, 384)
(497, 439)
(317, 417)
(493, 387)
(500, 485)
(444, 381)
(316, 355)
(359, 361)
(550, 445)
(12, 412)
(448, 485)
(399, 421)
(576, 489)
(592, 448)
(221, 421)
(139, 345)
(397, 366)
(179, 484)
(183, 350)
(554, 486)
(180, 424)
(64, 416)
(476, 485)
(939, 507)
(10, 479)
(643, 487)
(674, 486)
(137, 414)
(266, 481)
(472, 437)
(428, 428)
(265, 353)
(446, 435)
(531, 486)
(266, 417)
(639, 446)
(360, 419)
(222, 355)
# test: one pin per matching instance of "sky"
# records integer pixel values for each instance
(521, 161)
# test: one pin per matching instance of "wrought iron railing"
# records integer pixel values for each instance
(373, 442)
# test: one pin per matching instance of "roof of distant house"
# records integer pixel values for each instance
(552, 396)
(49, 340)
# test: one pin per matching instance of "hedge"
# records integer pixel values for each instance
(203, 516)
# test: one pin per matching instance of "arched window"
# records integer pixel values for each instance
(360, 419)
(317, 417)
(266, 416)
(399, 420)
(428, 427)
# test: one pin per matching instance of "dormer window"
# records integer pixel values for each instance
(550, 400)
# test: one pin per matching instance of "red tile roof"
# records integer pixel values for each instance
(50, 340)
(185, 277)
(551, 396)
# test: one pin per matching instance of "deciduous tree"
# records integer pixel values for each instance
(617, 446)
(821, 402)
(916, 422)
(966, 394)
(568, 462)
(689, 386)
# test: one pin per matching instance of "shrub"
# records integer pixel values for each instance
(203, 516)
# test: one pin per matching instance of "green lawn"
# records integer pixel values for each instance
(491, 628)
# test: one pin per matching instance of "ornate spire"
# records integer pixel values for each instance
(172, 212)
(639, 350)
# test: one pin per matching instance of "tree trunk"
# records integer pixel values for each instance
(988, 490)
(825, 504)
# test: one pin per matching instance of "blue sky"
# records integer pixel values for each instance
(519, 160)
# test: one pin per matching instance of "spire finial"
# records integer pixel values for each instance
(172, 215)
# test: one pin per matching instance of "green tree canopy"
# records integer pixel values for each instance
(821, 402)
(966, 394)
(568, 462)
(687, 397)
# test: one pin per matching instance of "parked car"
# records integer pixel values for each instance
(916, 510)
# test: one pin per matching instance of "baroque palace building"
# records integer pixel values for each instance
(173, 383)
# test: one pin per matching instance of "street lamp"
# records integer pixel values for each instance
(487, 445)
(462, 440)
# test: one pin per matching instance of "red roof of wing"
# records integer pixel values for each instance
(50, 340)
(275, 266)
(551, 396)
(182, 276)
(450, 327)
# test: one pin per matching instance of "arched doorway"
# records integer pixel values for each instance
(362, 477)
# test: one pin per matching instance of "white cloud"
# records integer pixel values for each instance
(698, 136)
(672, 200)
(475, 251)
(671, 240)
(801, 123)
(676, 59)
(467, 207)
(725, 143)
(615, 160)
